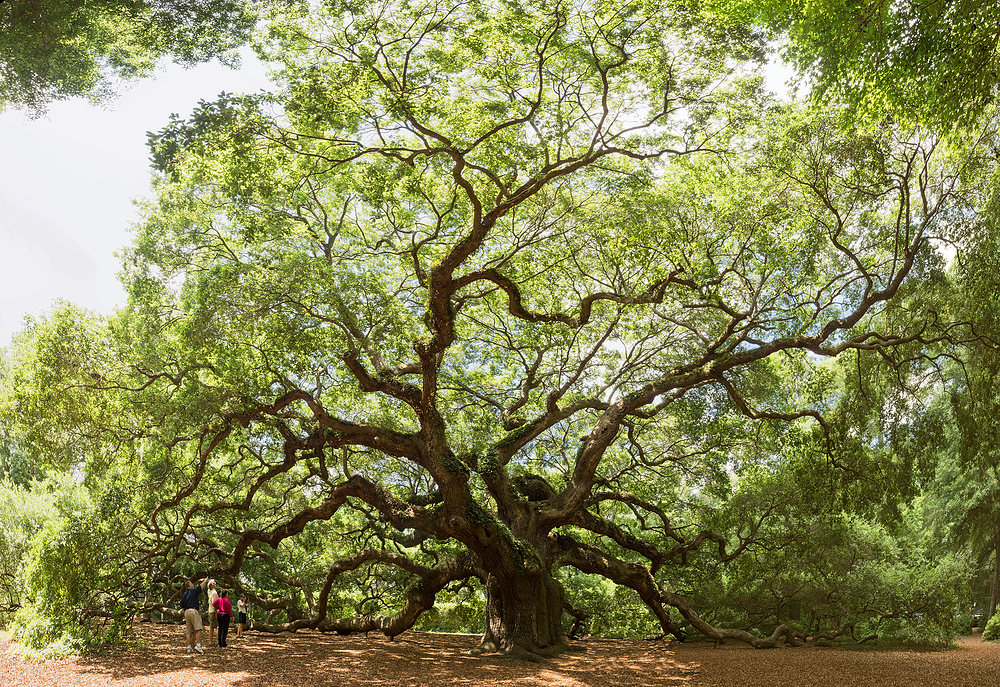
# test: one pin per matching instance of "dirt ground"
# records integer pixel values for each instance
(310, 659)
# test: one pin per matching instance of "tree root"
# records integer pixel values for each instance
(522, 653)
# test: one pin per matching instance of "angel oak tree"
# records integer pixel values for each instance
(466, 295)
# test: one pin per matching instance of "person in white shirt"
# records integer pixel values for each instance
(241, 611)
(213, 619)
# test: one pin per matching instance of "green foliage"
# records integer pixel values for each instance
(44, 635)
(459, 612)
(933, 63)
(70, 572)
(827, 572)
(15, 465)
(991, 632)
(56, 49)
(22, 514)
(611, 610)
(25, 512)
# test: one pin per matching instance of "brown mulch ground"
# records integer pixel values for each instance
(310, 659)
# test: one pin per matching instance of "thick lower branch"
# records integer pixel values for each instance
(637, 577)
(420, 596)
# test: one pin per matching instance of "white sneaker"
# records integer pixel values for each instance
(197, 647)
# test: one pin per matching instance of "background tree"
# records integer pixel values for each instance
(963, 500)
(56, 49)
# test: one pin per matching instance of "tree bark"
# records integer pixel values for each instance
(523, 615)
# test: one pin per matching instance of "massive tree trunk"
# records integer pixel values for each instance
(523, 615)
(524, 602)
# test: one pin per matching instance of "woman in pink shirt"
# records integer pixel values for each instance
(224, 609)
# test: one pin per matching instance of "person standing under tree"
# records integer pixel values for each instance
(224, 611)
(192, 616)
(212, 619)
(241, 609)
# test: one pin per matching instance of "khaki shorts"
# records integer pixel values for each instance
(213, 620)
(192, 619)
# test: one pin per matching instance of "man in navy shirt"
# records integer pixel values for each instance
(192, 616)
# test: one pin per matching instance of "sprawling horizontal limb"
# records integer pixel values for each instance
(590, 560)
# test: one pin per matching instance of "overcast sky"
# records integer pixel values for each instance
(67, 182)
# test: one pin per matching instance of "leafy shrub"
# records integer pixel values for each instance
(461, 612)
(458, 618)
(852, 578)
(992, 630)
(69, 562)
(963, 623)
(612, 610)
(46, 637)
(25, 510)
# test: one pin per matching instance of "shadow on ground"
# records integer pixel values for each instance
(315, 659)
(312, 659)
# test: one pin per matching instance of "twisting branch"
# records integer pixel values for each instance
(590, 560)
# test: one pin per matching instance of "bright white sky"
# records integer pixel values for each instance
(67, 182)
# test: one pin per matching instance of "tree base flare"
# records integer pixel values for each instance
(522, 653)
